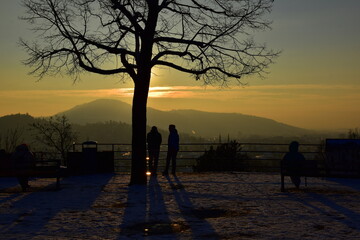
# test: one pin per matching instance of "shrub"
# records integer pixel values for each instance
(226, 157)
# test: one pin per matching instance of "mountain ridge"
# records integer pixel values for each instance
(195, 122)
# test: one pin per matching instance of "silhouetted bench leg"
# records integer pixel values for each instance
(282, 183)
(57, 183)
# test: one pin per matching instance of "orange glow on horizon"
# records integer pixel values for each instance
(292, 104)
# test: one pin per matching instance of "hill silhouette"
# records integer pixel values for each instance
(14, 129)
(15, 121)
(192, 122)
(101, 110)
(109, 121)
(101, 131)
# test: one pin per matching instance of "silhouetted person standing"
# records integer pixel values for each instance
(154, 140)
(293, 161)
(173, 148)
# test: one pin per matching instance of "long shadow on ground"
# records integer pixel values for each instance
(30, 212)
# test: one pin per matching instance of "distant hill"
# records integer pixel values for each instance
(109, 121)
(236, 125)
(108, 131)
(193, 122)
(14, 129)
(15, 120)
(101, 110)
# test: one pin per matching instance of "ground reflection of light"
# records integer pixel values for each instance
(148, 173)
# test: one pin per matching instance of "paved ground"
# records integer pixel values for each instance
(189, 206)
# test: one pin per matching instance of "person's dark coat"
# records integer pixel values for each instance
(154, 139)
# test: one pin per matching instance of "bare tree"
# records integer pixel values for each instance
(209, 39)
(56, 133)
(354, 133)
(11, 138)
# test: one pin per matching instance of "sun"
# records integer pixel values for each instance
(158, 92)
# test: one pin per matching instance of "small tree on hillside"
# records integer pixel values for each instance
(56, 133)
(11, 138)
(354, 133)
(209, 39)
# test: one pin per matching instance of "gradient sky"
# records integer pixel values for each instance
(315, 83)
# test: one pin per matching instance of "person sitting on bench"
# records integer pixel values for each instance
(293, 162)
(23, 160)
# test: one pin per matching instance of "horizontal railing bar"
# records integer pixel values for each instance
(258, 155)
(208, 144)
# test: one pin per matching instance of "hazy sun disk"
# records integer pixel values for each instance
(157, 92)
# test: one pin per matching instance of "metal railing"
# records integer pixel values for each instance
(262, 157)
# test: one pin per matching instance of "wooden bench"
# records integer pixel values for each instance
(341, 159)
(43, 169)
(310, 168)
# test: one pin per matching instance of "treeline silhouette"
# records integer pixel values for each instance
(16, 129)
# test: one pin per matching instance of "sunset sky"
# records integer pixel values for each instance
(315, 83)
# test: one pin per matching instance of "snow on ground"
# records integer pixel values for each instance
(189, 206)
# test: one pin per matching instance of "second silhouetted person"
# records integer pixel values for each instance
(173, 148)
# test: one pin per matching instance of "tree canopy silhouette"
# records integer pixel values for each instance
(209, 39)
(55, 132)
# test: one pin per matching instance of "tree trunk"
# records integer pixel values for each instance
(138, 159)
(141, 91)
